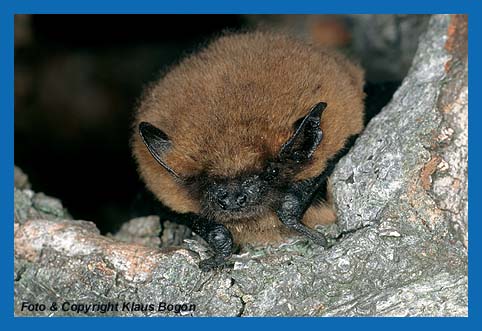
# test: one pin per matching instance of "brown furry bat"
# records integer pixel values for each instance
(241, 138)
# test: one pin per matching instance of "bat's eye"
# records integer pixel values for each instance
(271, 172)
(297, 156)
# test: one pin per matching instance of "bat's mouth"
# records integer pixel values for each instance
(248, 212)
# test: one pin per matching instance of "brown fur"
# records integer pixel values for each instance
(231, 106)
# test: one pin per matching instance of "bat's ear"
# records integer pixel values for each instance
(301, 146)
(157, 142)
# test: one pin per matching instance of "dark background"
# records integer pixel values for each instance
(76, 85)
(77, 79)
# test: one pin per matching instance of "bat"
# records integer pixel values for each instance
(239, 140)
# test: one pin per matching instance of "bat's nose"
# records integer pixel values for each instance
(233, 201)
(241, 199)
(223, 203)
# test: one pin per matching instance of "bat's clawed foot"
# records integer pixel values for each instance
(291, 214)
(213, 263)
(315, 236)
(221, 242)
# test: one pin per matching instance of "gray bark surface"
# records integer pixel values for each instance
(399, 247)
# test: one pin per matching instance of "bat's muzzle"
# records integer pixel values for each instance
(235, 195)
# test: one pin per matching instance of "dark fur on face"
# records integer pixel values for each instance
(244, 197)
(234, 199)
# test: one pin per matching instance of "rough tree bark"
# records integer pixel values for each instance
(400, 246)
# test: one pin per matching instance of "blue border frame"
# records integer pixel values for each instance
(10, 7)
(246, 6)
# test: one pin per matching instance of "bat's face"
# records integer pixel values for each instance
(234, 198)
(252, 193)
(244, 196)
(226, 199)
